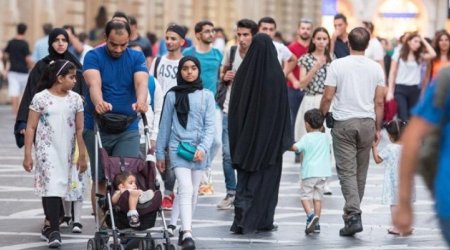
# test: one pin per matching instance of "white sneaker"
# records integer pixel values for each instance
(77, 228)
(227, 203)
(171, 230)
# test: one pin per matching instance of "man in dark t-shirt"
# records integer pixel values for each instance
(143, 42)
(339, 40)
(18, 58)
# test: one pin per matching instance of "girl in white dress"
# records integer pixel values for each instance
(390, 156)
(55, 120)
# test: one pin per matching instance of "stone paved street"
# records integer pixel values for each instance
(21, 213)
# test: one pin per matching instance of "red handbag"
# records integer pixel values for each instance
(390, 110)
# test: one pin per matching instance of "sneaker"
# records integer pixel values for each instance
(227, 202)
(167, 202)
(188, 244)
(54, 239)
(65, 222)
(77, 228)
(133, 220)
(317, 228)
(45, 232)
(353, 225)
(311, 222)
(146, 196)
(171, 230)
(206, 189)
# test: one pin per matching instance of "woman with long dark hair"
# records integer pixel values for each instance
(405, 74)
(58, 43)
(313, 72)
(441, 44)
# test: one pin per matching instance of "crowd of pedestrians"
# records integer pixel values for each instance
(252, 97)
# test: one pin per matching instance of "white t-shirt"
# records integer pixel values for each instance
(408, 72)
(355, 78)
(86, 49)
(236, 63)
(375, 50)
(153, 115)
(166, 73)
(283, 52)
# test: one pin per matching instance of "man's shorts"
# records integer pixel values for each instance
(312, 188)
(16, 83)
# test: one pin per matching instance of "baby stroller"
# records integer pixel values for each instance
(115, 216)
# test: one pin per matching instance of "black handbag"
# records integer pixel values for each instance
(114, 123)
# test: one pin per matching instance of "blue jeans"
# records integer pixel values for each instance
(228, 170)
(445, 229)
(406, 97)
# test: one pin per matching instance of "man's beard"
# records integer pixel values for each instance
(305, 38)
(209, 42)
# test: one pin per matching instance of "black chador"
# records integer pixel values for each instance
(260, 132)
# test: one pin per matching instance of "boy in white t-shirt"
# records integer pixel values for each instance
(316, 167)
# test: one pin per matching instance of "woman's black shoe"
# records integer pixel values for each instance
(188, 244)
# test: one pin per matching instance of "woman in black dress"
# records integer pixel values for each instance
(260, 132)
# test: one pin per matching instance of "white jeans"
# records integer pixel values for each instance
(186, 198)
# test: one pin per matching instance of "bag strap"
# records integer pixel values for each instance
(233, 50)
(155, 70)
(152, 88)
(201, 110)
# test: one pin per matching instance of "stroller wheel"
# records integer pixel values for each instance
(91, 245)
(96, 243)
(165, 246)
(146, 244)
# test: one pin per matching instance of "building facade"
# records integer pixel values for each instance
(391, 17)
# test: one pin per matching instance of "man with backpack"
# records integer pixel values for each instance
(232, 59)
(165, 69)
(429, 121)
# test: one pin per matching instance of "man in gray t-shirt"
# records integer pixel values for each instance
(355, 84)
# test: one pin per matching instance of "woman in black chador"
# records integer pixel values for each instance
(58, 44)
(259, 130)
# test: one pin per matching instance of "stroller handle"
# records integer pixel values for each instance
(146, 127)
(144, 119)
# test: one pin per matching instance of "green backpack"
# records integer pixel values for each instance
(430, 151)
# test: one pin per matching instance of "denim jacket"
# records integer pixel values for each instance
(199, 130)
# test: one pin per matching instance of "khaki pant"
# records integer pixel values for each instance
(352, 142)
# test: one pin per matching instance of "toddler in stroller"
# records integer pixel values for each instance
(126, 182)
(132, 202)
